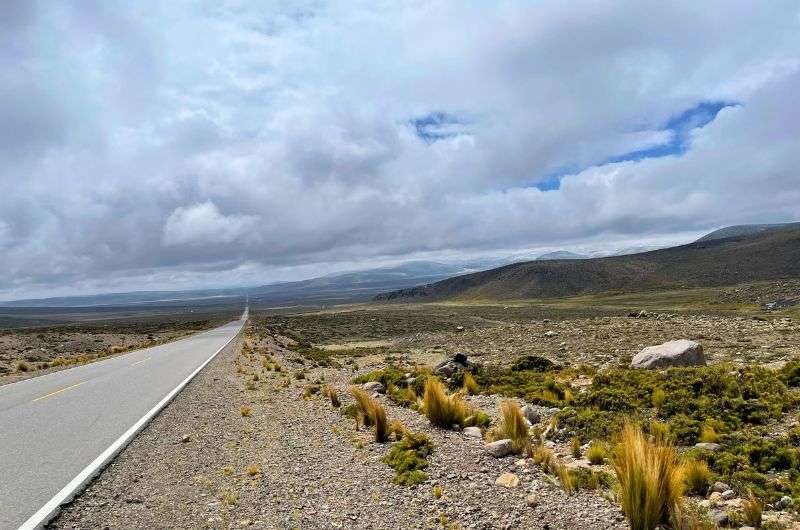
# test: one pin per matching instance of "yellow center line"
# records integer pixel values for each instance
(139, 362)
(59, 391)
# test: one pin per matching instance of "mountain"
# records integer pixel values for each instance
(765, 255)
(352, 286)
(338, 287)
(561, 254)
(747, 230)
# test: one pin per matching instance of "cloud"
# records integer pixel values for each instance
(301, 137)
(203, 224)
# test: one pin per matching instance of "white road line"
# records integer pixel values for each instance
(140, 362)
(46, 513)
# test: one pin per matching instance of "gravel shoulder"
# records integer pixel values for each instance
(296, 462)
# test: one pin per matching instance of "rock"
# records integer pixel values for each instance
(720, 518)
(473, 432)
(500, 448)
(708, 446)
(550, 334)
(531, 414)
(674, 353)
(459, 328)
(448, 368)
(185, 438)
(784, 502)
(374, 386)
(715, 497)
(532, 500)
(507, 480)
(719, 487)
(728, 495)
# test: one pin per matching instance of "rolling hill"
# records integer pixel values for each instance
(755, 256)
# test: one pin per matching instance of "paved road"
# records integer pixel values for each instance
(53, 426)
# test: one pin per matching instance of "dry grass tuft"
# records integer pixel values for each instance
(708, 434)
(371, 413)
(650, 479)
(470, 384)
(441, 409)
(398, 429)
(658, 398)
(543, 457)
(245, 411)
(333, 394)
(575, 447)
(697, 476)
(512, 425)
(596, 454)
(752, 509)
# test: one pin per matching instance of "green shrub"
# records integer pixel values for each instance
(408, 458)
(533, 363)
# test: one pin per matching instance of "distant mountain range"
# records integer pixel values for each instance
(549, 274)
(333, 288)
(750, 254)
(561, 254)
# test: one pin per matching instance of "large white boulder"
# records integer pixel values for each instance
(673, 353)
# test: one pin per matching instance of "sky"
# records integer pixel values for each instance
(172, 145)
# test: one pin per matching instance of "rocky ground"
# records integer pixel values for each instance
(287, 461)
(32, 351)
(603, 341)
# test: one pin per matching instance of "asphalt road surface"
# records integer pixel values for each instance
(55, 429)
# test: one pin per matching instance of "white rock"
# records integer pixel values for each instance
(500, 448)
(531, 414)
(374, 386)
(473, 432)
(673, 353)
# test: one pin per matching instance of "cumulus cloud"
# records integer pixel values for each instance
(250, 141)
(203, 224)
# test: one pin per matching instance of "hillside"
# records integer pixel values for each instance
(747, 258)
(747, 230)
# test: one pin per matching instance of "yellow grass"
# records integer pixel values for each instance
(697, 476)
(752, 508)
(441, 409)
(372, 414)
(708, 434)
(470, 385)
(650, 479)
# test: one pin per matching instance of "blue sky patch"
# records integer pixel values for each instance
(437, 126)
(681, 125)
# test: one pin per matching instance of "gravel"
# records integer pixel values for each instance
(298, 463)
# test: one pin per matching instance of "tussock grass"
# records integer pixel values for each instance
(443, 410)
(245, 411)
(650, 479)
(697, 476)
(658, 397)
(708, 434)
(398, 429)
(470, 384)
(252, 471)
(752, 509)
(567, 479)
(333, 395)
(596, 454)
(512, 425)
(22, 366)
(371, 413)
(575, 447)
(543, 457)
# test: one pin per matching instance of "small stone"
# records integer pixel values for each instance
(459, 328)
(719, 487)
(185, 438)
(708, 446)
(374, 386)
(473, 432)
(500, 448)
(507, 480)
(727, 495)
(715, 497)
(531, 414)
(532, 500)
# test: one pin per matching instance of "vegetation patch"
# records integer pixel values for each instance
(409, 458)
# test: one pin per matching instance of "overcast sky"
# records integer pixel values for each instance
(209, 143)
